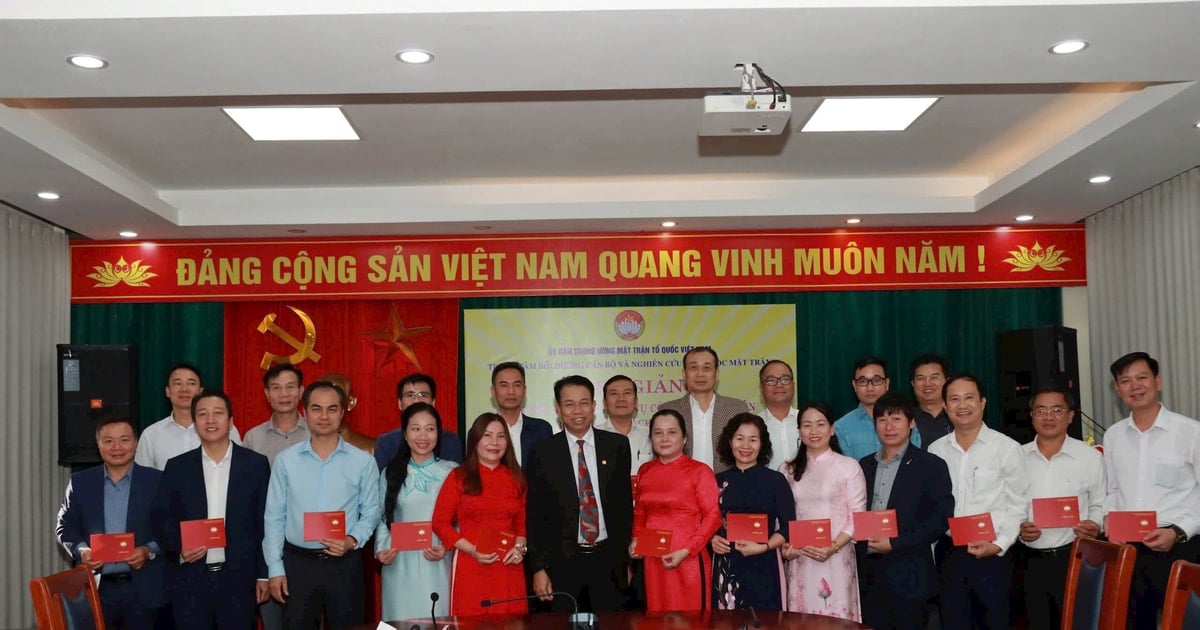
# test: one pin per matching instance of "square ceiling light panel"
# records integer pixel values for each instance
(867, 114)
(292, 123)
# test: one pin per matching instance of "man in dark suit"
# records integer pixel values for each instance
(116, 498)
(897, 575)
(704, 412)
(580, 506)
(413, 389)
(508, 390)
(208, 585)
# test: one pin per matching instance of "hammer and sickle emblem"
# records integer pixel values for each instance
(303, 349)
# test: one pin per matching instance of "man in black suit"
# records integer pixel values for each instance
(116, 498)
(897, 575)
(508, 390)
(580, 509)
(215, 586)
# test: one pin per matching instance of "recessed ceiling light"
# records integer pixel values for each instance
(1068, 46)
(414, 56)
(867, 114)
(668, 224)
(292, 123)
(1198, 124)
(1100, 179)
(1024, 217)
(87, 62)
(128, 234)
(854, 221)
(49, 195)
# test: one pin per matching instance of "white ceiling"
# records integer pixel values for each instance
(543, 118)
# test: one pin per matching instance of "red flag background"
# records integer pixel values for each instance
(373, 342)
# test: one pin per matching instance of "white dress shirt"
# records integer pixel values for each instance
(514, 434)
(701, 435)
(1075, 470)
(166, 439)
(1156, 469)
(639, 441)
(216, 489)
(589, 454)
(785, 436)
(988, 477)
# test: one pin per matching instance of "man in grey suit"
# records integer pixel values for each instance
(704, 412)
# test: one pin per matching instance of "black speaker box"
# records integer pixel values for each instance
(1032, 359)
(93, 381)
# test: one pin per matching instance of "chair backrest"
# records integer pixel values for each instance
(1097, 589)
(1181, 606)
(67, 601)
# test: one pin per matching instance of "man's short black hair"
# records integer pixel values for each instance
(213, 393)
(418, 377)
(863, 362)
(1054, 389)
(185, 366)
(109, 419)
(963, 377)
(926, 359)
(708, 349)
(319, 385)
(1122, 364)
(616, 379)
(773, 362)
(507, 365)
(574, 379)
(280, 368)
(893, 402)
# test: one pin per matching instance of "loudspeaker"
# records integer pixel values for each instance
(1030, 360)
(93, 381)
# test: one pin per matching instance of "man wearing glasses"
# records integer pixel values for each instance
(856, 430)
(1059, 466)
(778, 388)
(413, 389)
(927, 374)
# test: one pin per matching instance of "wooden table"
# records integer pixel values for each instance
(715, 620)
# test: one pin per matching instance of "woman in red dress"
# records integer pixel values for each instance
(484, 497)
(679, 494)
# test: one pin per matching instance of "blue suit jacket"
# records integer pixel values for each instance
(181, 497)
(82, 514)
(923, 499)
(535, 430)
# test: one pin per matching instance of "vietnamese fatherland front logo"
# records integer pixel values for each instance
(134, 274)
(1047, 259)
(629, 325)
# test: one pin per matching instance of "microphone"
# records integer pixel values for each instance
(433, 600)
(577, 619)
(754, 621)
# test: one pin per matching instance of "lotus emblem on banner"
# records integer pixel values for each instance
(629, 325)
(134, 274)
(1048, 259)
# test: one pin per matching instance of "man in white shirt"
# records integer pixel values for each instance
(987, 470)
(1152, 462)
(620, 408)
(704, 412)
(778, 387)
(174, 434)
(1058, 466)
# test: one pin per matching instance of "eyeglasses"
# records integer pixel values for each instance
(415, 396)
(932, 378)
(863, 381)
(772, 381)
(1046, 411)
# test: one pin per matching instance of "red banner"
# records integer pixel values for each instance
(554, 264)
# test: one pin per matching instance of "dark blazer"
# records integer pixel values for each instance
(82, 514)
(535, 430)
(724, 409)
(923, 499)
(552, 511)
(181, 497)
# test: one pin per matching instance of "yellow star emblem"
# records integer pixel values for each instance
(395, 338)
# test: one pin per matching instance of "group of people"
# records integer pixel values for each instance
(614, 512)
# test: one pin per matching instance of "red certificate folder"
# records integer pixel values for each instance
(811, 533)
(204, 532)
(875, 524)
(653, 543)
(970, 529)
(750, 527)
(1131, 526)
(1056, 512)
(324, 525)
(493, 541)
(111, 547)
(414, 536)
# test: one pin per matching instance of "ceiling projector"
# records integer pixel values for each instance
(744, 114)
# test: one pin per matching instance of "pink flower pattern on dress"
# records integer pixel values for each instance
(825, 592)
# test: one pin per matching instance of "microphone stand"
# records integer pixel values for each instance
(577, 620)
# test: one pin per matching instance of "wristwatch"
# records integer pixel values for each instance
(1180, 535)
(150, 555)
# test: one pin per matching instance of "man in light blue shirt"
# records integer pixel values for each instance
(315, 578)
(855, 431)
